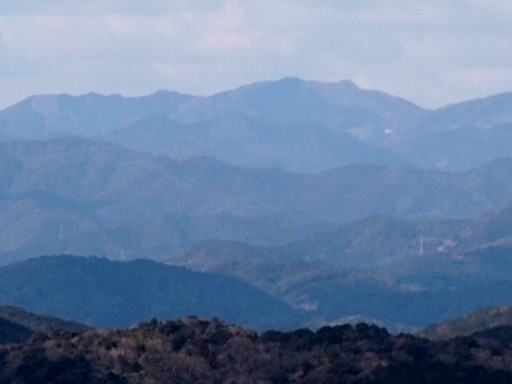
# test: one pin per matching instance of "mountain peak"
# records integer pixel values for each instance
(296, 81)
(347, 84)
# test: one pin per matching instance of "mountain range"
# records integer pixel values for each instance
(264, 290)
(80, 197)
(328, 201)
(297, 125)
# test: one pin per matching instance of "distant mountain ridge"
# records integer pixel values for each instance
(77, 196)
(304, 126)
(397, 271)
(330, 200)
(384, 244)
(471, 323)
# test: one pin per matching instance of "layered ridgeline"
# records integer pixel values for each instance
(389, 241)
(290, 123)
(70, 196)
(277, 292)
(380, 268)
(80, 197)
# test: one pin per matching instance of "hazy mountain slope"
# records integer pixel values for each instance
(494, 227)
(92, 115)
(306, 126)
(376, 243)
(485, 113)
(61, 172)
(294, 101)
(103, 293)
(290, 123)
(442, 287)
(398, 271)
(77, 196)
(473, 322)
(383, 244)
(462, 135)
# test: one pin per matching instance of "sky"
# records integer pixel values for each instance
(431, 53)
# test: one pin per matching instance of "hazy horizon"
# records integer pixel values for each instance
(430, 54)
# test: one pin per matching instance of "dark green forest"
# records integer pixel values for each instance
(196, 351)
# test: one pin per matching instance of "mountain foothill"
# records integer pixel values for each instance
(281, 204)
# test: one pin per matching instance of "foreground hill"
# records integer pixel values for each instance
(77, 196)
(195, 351)
(103, 293)
(298, 125)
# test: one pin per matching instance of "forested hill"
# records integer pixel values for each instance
(195, 351)
(99, 292)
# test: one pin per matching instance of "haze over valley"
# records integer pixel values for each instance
(329, 201)
(255, 192)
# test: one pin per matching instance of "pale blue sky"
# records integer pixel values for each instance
(432, 53)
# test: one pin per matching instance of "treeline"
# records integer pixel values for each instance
(195, 351)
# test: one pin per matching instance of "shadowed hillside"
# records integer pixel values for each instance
(103, 293)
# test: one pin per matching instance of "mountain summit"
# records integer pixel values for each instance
(290, 123)
(294, 124)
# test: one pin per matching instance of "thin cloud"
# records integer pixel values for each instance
(415, 50)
